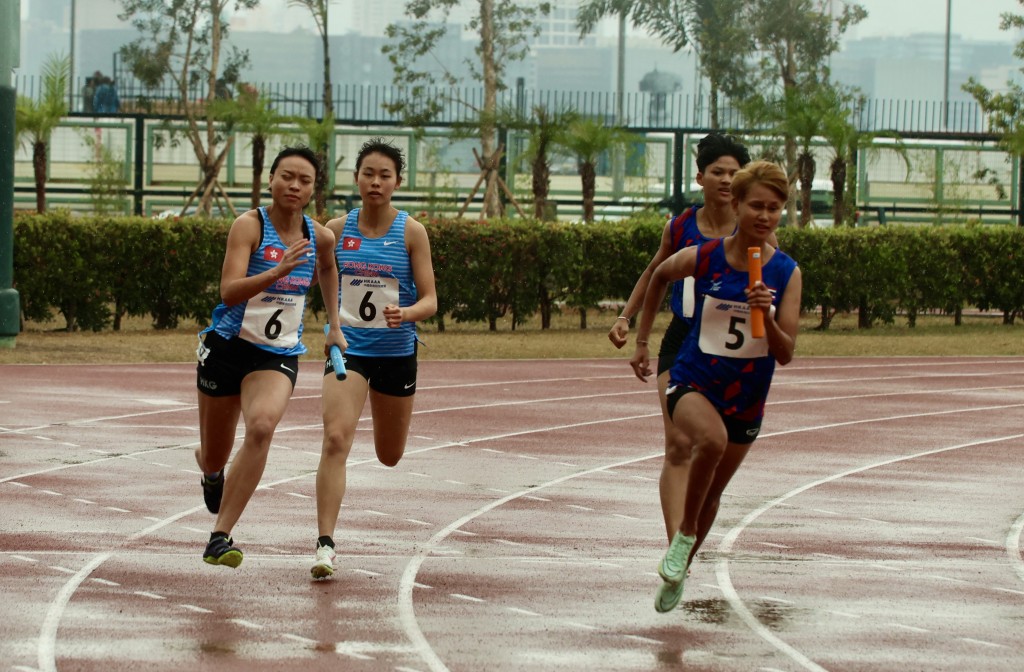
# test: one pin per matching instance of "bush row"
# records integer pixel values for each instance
(94, 271)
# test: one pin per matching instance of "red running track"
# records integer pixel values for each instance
(876, 525)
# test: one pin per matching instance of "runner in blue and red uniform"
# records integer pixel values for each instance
(719, 382)
(719, 157)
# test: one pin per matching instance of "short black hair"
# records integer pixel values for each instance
(381, 146)
(299, 150)
(714, 146)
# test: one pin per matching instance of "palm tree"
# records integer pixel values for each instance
(252, 113)
(320, 133)
(587, 140)
(35, 120)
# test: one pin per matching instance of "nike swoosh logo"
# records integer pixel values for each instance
(390, 242)
(410, 385)
(287, 369)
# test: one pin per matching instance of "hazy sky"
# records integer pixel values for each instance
(973, 19)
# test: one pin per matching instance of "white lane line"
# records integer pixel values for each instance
(245, 624)
(47, 647)
(152, 596)
(299, 495)
(524, 612)
(406, 611)
(64, 570)
(844, 614)
(194, 608)
(467, 598)
(990, 542)
(581, 626)
(24, 558)
(908, 627)
(1008, 590)
(537, 499)
(105, 582)
(982, 642)
(1013, 550)
(299, 639)
(722, 567)
(117, 509)
(419, 522)
(938, 577)
(644, 640)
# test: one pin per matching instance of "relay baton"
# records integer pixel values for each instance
(336, 359)
(754, 271)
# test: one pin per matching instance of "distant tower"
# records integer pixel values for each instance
(659, 85)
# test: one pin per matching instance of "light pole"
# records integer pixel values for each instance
(945, 80)
(71, 59)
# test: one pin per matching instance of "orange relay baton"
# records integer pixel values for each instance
(754, 271)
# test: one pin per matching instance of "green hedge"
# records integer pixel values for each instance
(94, 271)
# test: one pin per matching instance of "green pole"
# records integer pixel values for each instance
(10, 46)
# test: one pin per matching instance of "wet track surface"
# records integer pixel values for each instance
(876, 525)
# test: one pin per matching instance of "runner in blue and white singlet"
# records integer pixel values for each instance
(248, 358)
(372, 273)
(272, 319)
(386, 285)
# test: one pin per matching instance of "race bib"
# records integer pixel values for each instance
(363, 300)
(725, 330)
(273, 319)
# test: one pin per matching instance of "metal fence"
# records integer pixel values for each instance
(366, 105)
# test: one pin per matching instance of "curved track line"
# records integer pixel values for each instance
(406, 611)
(47, 644)
(725, 547)
(47, 649)
(1013, 546)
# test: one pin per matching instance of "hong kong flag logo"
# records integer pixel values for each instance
(349, 243)
(273, 254)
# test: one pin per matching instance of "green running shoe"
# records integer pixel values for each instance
(672, 567)
(221, 551)
(667, 597)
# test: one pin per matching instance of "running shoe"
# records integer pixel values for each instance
(221, 551)
(213, 490)
(323, 566)
(672, 567)
(667, 597)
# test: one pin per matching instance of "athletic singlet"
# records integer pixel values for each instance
(719, 358)
(372, 273)
(272, 319)
(685, 233)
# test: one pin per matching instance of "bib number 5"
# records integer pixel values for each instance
(725, 330)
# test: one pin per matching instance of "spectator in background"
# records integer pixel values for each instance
(105, 100)
(89, 91)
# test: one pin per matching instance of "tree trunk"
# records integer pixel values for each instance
(328, 87)
(838, 175)
(492, 200)
(588, 177)
(583, 318)
(39, 171)
(806, 168)
(541, 179)
(259, 151)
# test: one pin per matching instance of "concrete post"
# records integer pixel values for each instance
(10, 48)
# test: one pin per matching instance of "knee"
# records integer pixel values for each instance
(677, 451)
(710, 450)
(389, 458)
(260, 430)
(337, 445)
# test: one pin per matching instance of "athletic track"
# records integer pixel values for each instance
(876, 525)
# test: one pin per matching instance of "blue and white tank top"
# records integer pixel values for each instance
(271, 320)
(372, 273)
(719, 358)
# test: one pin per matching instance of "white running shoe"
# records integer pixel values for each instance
(324, 564)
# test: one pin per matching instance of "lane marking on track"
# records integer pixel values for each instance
(47, 640)
(981, 642)
(1013, 550)
(725, 548)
